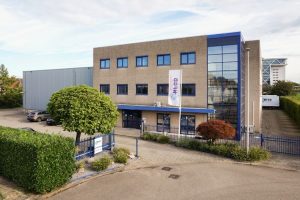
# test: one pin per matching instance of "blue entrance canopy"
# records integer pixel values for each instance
(166, 109)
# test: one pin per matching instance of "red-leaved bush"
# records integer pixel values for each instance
(216, 129)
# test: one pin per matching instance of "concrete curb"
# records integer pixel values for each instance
(83, 179)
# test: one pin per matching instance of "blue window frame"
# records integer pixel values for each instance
(141, 89)
(122, 89)
(188, 58)
(163, 59)
(104, 63)
(105, 88)
(162, 89)
(188, 90)
(142, 61)
(122, 62)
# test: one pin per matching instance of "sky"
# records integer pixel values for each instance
(44, 34)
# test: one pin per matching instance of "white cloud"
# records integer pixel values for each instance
(48, 29)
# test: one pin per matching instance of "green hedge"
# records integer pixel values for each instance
(291, 105)
(35, 161)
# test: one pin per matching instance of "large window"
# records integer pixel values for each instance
(104, 63)
(223, 81)
(122, 62)
(104, 88)
(142, 61)
(188, 58)
(141, 89)
(163, 122)
(164, 59)
(187, 124)
(162, 89)
(188, 90)
(122, 89)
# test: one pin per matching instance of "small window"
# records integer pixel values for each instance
(188, 58)
(104, 63)
(163, 60)
(188, 90)
(122, 62)
(215, 50)
(142, 89)
(142, 61)
(104, 88)
(162, 89)
(122, 89)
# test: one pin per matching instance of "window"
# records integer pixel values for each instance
(122, 89)
(104, 88)
(188, 58)
(162, 89)
(163, 122)
(122, 62)
(141, 89)
(142, 61)
(163, 59)
(104, 63)
(188, 90)
(187, 124)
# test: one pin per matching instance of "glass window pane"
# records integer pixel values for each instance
(125, 62)
(230, 49)
(192, 58)
(167, 60)
(214, 58)
(145, 61)
(184, 59)
(107, 63)
(215, 67)
(230, 75)
(230, 66)
(139, 61)
(215, 50)
(230, 57)
(160, 60)
(120, 63)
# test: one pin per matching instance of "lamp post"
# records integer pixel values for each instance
(248, 96)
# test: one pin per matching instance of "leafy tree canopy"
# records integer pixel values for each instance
(283, 88)
(83, 109)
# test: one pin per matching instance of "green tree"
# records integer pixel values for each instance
(267, 89)
(5, 80)
(282, 88)
(83, 109)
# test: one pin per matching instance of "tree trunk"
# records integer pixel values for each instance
(77, 138)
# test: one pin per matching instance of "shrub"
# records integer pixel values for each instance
(215, 129)
(37, 162)
(120, 157)
(150, 136)
(79, 165)
(229, 150)
(163, 139)
(256, 153)
(121, 149)
(102, 163)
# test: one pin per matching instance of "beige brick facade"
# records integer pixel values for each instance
(153, 75)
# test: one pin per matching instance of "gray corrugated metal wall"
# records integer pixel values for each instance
(38, 86)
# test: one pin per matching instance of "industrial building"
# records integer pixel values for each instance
(39, 85)
(273, 70)
(214, 71)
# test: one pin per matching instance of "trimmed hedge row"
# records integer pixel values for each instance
(291, 106)
(228, 150)
(35, 161)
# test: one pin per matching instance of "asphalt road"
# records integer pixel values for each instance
(195, 181)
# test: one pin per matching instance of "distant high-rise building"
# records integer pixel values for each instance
(273, 70)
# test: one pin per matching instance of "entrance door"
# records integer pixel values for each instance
(132, 119)
(187, 124)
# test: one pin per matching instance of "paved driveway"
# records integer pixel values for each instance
(195, 181)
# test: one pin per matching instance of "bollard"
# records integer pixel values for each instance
(136, 147)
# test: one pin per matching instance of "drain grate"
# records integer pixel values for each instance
(166, 168)
(174, 176)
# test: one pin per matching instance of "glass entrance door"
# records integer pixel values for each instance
(163, 122)
(187, 124)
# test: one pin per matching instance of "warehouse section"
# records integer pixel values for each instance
(38, 86)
